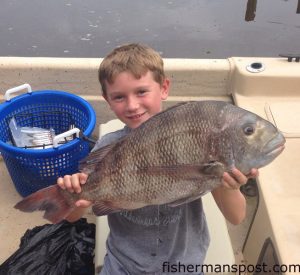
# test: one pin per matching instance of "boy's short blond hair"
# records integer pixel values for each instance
(137, 59)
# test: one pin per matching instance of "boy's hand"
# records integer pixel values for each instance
(237, 179)
(73, 183)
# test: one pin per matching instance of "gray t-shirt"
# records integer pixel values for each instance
(155, 239)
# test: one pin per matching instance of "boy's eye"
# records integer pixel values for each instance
(118, 98)
(141, 92)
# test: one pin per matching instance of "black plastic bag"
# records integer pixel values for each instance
(58, 249)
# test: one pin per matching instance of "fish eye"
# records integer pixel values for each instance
(249, 130)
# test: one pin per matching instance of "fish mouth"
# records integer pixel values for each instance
(276, 151)
(275, 146)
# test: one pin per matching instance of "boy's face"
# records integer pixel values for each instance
(136, 100)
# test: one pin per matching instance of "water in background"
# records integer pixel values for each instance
(176, 28)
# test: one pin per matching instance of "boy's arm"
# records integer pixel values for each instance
(228, 197)
(73, 183)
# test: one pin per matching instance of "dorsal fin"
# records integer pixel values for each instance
(173, 107)
(88, 164)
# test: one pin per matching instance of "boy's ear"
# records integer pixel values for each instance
(106, 99)
(165, 87)
(104, 96)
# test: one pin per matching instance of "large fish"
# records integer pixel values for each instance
(175, 157)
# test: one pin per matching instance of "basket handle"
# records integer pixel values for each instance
(59, 137)
(17, 89)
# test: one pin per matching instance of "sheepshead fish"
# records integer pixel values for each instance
(175, 157)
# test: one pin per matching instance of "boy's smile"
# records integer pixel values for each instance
(136, 100)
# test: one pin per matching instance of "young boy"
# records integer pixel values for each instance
(140, 241)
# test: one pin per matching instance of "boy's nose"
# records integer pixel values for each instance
(132, 104)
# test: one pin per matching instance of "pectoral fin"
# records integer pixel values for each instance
(213, 168)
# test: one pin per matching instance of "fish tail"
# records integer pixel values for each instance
(51, 200)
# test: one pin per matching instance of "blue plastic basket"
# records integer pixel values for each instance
(33, 169)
